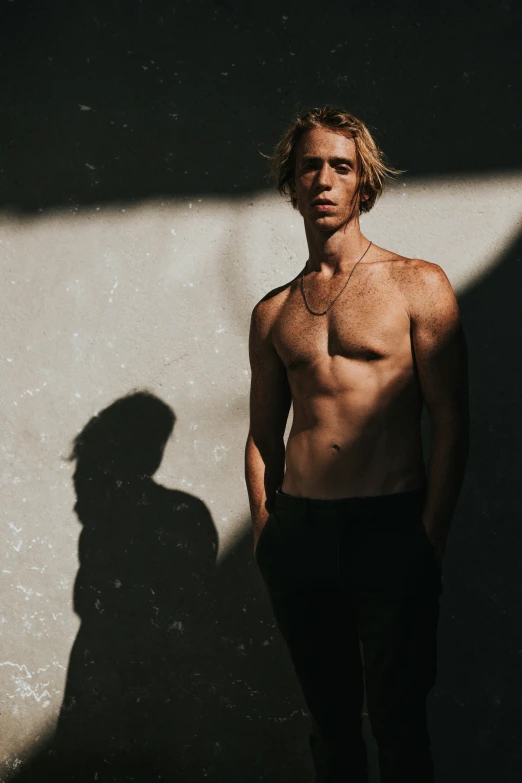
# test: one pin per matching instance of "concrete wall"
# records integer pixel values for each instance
(152, 627)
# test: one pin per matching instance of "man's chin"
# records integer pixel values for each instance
(326, 222)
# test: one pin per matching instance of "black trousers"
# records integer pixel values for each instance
(340, 572)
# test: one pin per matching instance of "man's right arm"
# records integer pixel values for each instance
(270, 400)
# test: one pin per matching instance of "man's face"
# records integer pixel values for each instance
(325, 170)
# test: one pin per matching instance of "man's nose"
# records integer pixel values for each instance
(324, 176)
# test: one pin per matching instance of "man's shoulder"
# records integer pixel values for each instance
(266, 311)
(422, 285)
(425, 271)
(271, 302)
(425, 277)
(409, 268)
(427, 289)
(416, 274)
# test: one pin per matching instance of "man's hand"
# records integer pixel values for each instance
(257, 534)
(256, 539)
(438, 544)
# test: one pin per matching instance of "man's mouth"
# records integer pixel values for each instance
(323, 206)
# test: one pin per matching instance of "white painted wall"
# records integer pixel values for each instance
(99, 301)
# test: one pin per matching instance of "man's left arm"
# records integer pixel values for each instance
(442, 365)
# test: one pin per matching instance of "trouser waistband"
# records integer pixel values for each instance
(398, 502)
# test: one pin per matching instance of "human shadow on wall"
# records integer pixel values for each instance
(176, 673)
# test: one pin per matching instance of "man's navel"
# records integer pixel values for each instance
(336, 447)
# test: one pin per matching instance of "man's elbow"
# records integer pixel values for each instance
(451, 419)
(265, 440)
(453, 430)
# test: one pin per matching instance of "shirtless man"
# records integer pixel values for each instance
(350, 537)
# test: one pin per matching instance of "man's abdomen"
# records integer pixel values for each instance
(355, 456)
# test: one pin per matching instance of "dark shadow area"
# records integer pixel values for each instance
(176, 673)
(476, 703)
(123, 100)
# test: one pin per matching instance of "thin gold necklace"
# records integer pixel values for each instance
(340, 292)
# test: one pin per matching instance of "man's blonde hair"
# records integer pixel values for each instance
(373, 171)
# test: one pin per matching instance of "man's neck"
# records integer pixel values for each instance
(331, 253)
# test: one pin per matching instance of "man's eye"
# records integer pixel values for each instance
(343, 169)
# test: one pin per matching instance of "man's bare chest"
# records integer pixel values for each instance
(365, 325)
